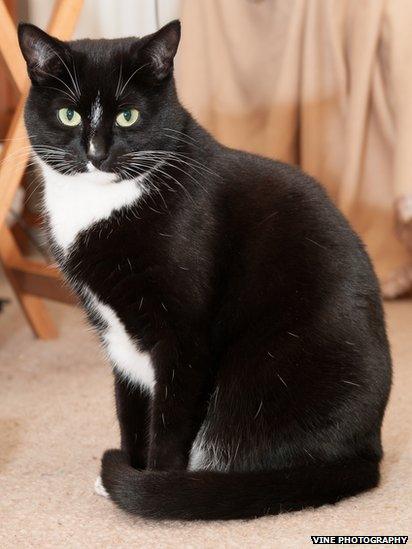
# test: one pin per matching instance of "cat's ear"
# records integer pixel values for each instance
(159, 50)
(44, 54)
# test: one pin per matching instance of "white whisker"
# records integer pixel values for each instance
(130, 77)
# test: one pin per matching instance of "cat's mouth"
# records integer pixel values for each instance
(94, 173)
(91, 168)
(114, 176)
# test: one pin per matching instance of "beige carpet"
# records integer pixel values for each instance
(57, 417)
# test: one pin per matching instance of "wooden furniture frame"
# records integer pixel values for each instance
(7, 90)
(30, 280)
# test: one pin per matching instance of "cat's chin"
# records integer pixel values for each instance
(98, 177)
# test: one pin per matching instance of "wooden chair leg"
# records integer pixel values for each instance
(33, 307)
(34, 310)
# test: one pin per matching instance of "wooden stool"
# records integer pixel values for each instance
(31, 280)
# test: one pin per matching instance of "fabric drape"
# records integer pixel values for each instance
(324, 84)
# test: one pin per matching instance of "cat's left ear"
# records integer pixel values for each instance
(43, 53)
(159, 49)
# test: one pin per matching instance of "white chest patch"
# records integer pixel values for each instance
(132, 364)
(75, 203)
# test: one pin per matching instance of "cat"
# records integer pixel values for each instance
(239, 310)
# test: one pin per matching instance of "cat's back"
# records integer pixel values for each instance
(286, 241)
(273, 200)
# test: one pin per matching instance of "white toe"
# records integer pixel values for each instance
(99, 488)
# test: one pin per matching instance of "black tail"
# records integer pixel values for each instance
(207, 495)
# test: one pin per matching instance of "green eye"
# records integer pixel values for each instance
(69, 117)
(127, 117)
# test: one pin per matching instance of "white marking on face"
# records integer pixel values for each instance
(134, 365)
(92, 147)
(76, 202)
(96, 112)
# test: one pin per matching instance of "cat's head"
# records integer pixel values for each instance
(100, 105)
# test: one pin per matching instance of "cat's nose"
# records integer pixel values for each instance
(96, 152)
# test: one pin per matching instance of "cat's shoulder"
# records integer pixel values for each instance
(245, 172)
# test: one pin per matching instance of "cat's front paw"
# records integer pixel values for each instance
(99, 488)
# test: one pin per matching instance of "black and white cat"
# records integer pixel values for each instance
(239, 310)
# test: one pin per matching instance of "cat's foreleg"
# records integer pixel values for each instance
(132, 406)
(178, 406)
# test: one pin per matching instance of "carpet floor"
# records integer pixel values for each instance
(57, 417)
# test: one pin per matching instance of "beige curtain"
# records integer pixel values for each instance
(108, 18)
(326, 84)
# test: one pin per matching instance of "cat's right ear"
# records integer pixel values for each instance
(44, 54)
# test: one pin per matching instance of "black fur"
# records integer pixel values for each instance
(255, 299)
